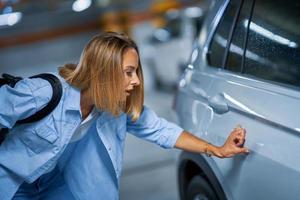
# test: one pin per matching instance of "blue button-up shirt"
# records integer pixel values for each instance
(31, 150)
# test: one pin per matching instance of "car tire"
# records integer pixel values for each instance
(200, 189)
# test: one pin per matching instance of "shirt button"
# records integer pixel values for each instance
(56, 149)
(109, 148)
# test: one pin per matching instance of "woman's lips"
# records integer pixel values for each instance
(127, 92)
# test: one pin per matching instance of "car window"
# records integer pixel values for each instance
(237, 45)
(273, 51)
(174, 27)
(220, 38)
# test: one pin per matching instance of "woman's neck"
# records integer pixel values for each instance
(86, 103)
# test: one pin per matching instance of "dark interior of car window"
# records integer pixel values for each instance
(174, 27)
(273, 51)
(239, 38)
(219, 42)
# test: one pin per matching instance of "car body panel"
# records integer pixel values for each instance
(272, 125)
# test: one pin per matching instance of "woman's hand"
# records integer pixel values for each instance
(234, 144)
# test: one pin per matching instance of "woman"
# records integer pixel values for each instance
(76, 151)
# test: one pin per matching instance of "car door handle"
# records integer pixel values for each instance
(218, 104)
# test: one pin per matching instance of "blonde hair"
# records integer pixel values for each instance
(100, 70)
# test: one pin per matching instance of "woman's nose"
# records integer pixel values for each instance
(135, 80)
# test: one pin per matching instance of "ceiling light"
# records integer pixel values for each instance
(80, 5)
(10, 19)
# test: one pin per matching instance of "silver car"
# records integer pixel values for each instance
(245, 70)
(172, 44)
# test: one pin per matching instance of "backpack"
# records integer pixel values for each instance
(57, 93)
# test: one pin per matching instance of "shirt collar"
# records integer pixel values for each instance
(72, 101)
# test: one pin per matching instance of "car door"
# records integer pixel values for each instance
(255, 82)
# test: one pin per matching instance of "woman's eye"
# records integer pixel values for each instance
(128, 73)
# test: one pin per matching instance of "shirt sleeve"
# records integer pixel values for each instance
(152, 128)
(26, 98)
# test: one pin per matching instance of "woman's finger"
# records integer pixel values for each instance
(243, 150)
(240, 135)
(240, 142)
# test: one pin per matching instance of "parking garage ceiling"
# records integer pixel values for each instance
(24, 21)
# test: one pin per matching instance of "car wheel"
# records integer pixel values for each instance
(200, 189)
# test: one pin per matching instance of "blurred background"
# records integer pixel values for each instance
(40, 35)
